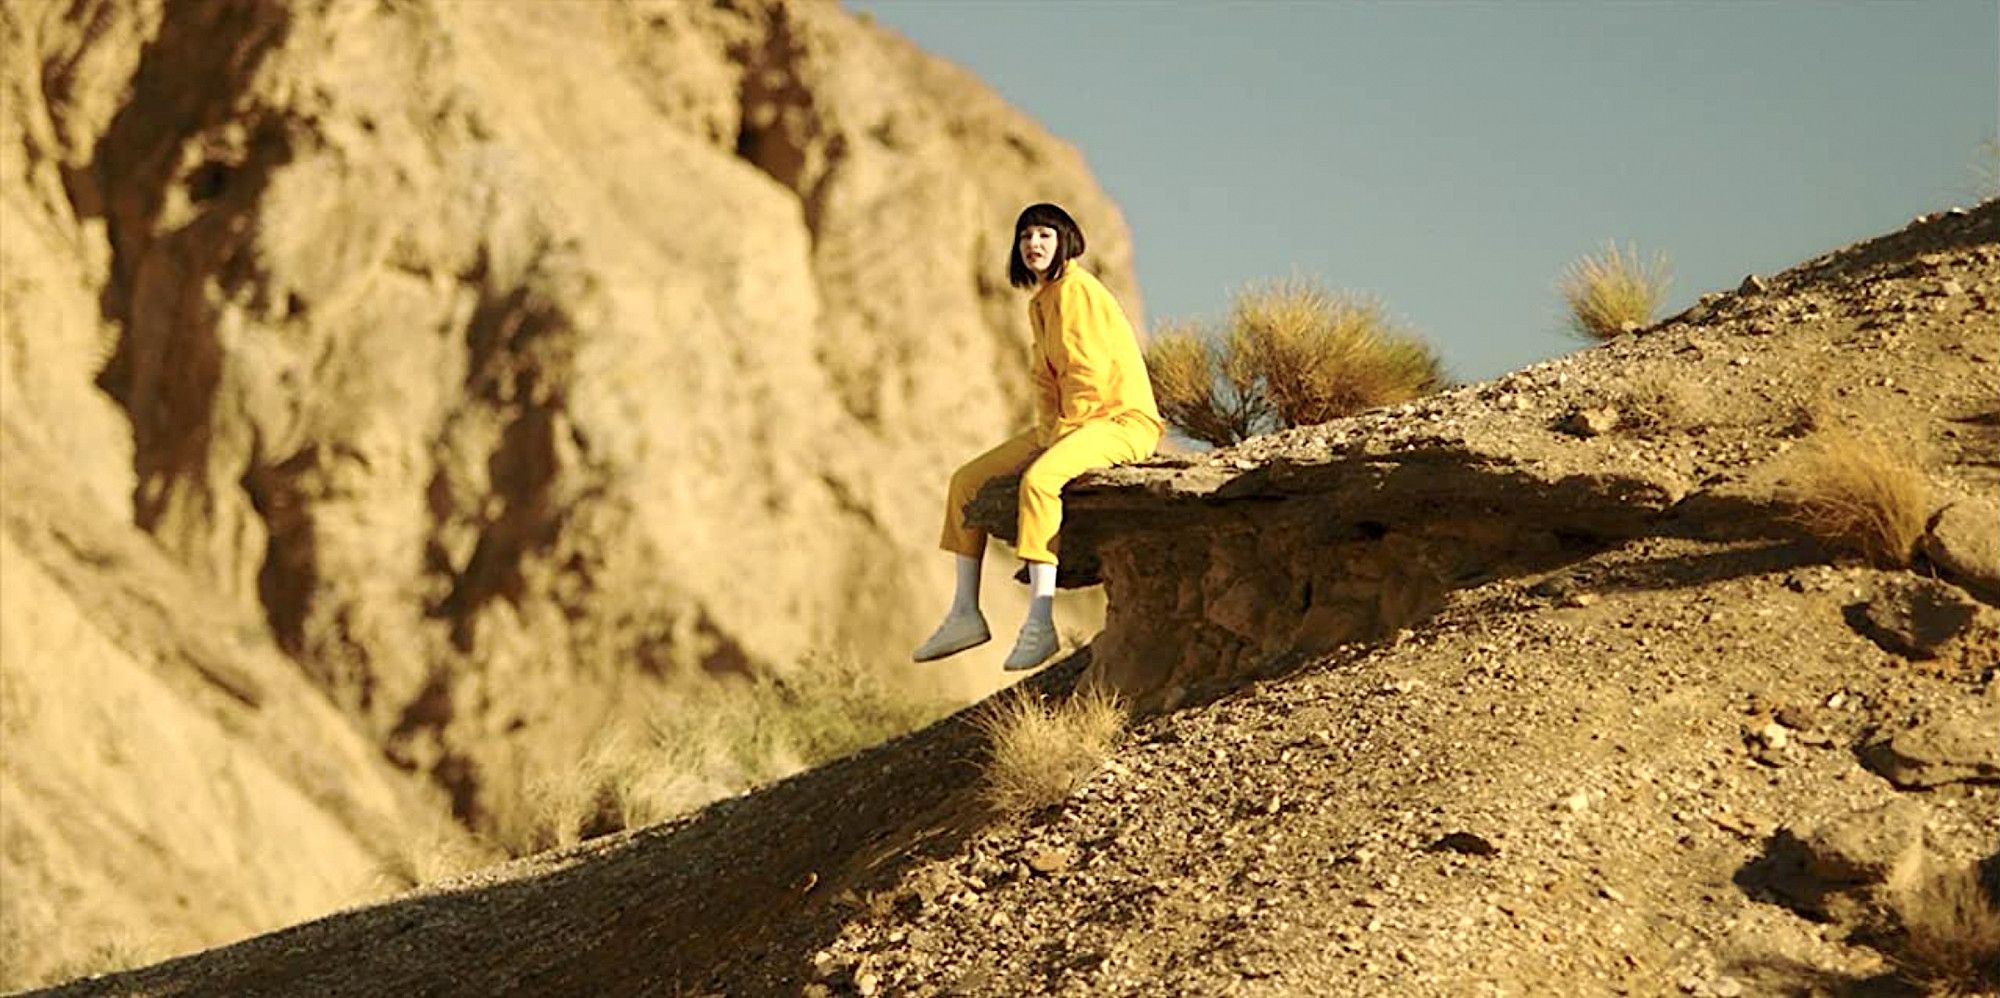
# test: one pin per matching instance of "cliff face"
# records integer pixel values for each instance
(497, 361)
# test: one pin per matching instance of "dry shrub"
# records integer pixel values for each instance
(1950, 938)
(1293, 354)
(1039, 752)
(109, 956)
(1323, 355)
(63, 954)
(437, 849)
(1614, 292)
(1855, 493)
(1986, 170)
(1209, 392)
(1658, 402)
(707, 740)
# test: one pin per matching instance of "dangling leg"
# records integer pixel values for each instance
(964, 626)
(965, 598)
(1094, 445)
(1037, 640)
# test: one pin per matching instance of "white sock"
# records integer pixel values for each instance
(965, 600)
(1042, 592)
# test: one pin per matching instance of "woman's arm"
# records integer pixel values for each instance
(1048, 395)
(1090, 318)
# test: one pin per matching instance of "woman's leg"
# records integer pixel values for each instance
(1093, 445)
(1008, 457)
(964, 626)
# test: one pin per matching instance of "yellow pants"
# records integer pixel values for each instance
(1097, 444)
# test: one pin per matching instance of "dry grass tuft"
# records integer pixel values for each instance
(1658, 402)
(1293, 354)
(437, 850)
(1856, 494)
(108, 956)
(1951, 933)
(1615, 292)
(704, 741)
(1986, 170)
(1038, 752)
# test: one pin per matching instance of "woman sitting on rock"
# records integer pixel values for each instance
(1093, 408)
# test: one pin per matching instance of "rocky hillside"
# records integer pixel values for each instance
(398, 395)
(1534, 687)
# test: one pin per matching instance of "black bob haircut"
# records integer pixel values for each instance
(1069, 243)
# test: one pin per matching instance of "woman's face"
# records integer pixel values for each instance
(1038, 248)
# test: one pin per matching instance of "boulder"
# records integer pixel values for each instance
(1875, 845)
(1957, 745)
(1912, 616)
(1963, 541)
(1591, 422)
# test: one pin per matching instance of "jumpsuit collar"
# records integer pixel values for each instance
(1069, 271)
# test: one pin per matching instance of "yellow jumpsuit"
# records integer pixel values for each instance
(1093, 408)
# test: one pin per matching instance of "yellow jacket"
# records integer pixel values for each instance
(1087, 364)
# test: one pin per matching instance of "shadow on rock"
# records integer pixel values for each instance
(1777, 975)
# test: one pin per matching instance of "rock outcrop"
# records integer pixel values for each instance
(170, 780)
(499, 362)
(1960, 744)
(1963, 542)
(1221, 565)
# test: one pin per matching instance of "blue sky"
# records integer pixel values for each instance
(1452, 157)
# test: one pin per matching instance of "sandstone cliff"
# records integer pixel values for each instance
(486, 364)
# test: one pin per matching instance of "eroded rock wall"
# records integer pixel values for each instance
(489, 348)
(500, 361)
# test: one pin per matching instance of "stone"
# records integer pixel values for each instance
(824, 965)
(1876, 845)
(1912, 616)
(1752, 285)
(1798, 717)
(1465, 843)
(1047, 861)
(1960, 744)
(1963, 541)
(1590, 422)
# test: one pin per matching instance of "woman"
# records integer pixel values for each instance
(1093, 408)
